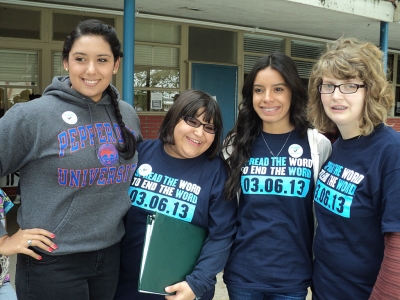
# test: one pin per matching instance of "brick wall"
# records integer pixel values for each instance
(394, 122)
(149, 126)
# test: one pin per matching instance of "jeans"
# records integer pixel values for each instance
(84, 276)
(249, 294)
(7, 292)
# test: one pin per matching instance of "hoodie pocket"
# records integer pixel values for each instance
(93, 221)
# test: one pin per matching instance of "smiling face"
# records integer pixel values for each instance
(271, 101)
(190, 142)
(344, 109)
(91, 66)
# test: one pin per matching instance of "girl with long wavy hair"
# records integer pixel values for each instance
(274, 156)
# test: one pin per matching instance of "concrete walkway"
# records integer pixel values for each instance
(222, 294)
(220, 289)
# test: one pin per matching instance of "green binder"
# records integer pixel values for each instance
(171, 250)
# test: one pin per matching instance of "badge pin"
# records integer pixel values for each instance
(295, 150)
(69, 117)
(145, 169)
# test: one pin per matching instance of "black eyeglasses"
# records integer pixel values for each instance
(210, 128)
(347, 88)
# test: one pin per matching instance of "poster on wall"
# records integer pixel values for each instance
(156, 101)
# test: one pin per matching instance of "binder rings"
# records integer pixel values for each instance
(171, 250)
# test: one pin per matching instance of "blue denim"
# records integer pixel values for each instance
(85, 276)
(7, 292)
(249, 294)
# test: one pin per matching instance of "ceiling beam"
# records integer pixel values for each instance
(380, 10)
(65, 7)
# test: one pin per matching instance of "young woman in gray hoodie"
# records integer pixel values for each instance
(75, 148)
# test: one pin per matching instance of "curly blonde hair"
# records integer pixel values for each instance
(348, 58)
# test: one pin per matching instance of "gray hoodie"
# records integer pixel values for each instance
(73, 181)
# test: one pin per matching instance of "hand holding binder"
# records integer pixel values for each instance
(170, 253)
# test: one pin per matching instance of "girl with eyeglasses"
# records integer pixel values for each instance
(274, 157)
(357, 242)
(185, 154)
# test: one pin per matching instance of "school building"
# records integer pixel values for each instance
(176, 45)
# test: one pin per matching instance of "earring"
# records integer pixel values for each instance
(114, 72)
(66, 69)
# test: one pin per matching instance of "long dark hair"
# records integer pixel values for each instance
(188, 104)
(249, 125)
(107, 32)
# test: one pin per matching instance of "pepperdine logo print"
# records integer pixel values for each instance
(283, 176)
(108, 155)
(160, 193)
(105, 136)
(336, 187)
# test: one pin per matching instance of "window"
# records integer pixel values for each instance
(150, 81)
(301, 49)
(63, 24)
(160, 78)
(257, 46)
(146, 55)
(157, 32)
(10, 95)
(157, 53)
(202, 47)
(58, 66)
(305, 55)
(18, 68)
(263, 44)
(20, 23)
